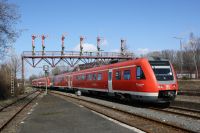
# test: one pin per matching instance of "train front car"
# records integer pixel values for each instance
(164, 78)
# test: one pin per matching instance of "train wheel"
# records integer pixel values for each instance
(78, 93)
(128, 98)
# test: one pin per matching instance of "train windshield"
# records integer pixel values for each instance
(162, 70)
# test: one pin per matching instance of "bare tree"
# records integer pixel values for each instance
(169, 54)
(56, 71)
(32, 77)
(8, 19)
(172, 56)
(15, 64)
(194, 45)
(154, 54)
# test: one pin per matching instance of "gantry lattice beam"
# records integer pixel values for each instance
(72, 58)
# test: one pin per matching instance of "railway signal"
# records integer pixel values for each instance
(43, 46)
(63, 46)
(123, 43)
(81, 44)
(46, 72)
(99, 40)
(33, 44)
(98, 43)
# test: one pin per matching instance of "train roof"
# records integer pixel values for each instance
(129, 62)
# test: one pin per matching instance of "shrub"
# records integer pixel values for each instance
(4, 82)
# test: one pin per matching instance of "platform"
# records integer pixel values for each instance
(55, 115)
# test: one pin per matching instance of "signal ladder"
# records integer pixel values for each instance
(12, 89)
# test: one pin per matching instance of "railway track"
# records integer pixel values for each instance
(176, 110)
(184, 112)
(145, 124)
(9, 112)
(189, 92)
(10, 104)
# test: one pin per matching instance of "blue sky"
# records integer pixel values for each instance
(147, 25)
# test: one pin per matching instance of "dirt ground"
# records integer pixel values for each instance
(11, 99)
(192, 85)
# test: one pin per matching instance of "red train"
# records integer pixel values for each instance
(148, 79)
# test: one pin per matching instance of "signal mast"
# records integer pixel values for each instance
(63, 46)
(43, 46)
(81, 44)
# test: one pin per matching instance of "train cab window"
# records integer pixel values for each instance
(139, 73)
(94, 77)
(99, 77)
(118, 75)
(127, 74)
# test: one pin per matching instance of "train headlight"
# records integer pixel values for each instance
(174, 85)
(160, 86)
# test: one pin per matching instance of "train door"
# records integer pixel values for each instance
(71, 79)
(110, 80)
(68, 81)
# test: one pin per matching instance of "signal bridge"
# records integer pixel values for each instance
(72, 58)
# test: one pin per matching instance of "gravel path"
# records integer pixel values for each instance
(194, 99)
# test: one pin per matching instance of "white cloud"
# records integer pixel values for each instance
(104, 42)
(86, 47)
(141, 51)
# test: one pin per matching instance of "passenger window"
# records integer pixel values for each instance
(139, 73)
(118, 75)
(99, 76)
(90, 77)
(94, 76)
(83, 77)
(127, 74)
(79, 77)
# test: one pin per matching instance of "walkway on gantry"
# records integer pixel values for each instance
(72, 58)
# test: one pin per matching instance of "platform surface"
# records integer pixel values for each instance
(55, 115)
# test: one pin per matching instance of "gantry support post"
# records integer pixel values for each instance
(23, 81)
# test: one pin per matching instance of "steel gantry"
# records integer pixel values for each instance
(71, 58)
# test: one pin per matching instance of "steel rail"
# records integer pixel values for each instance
(167, 110)
(185, 109)
(10, 104)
